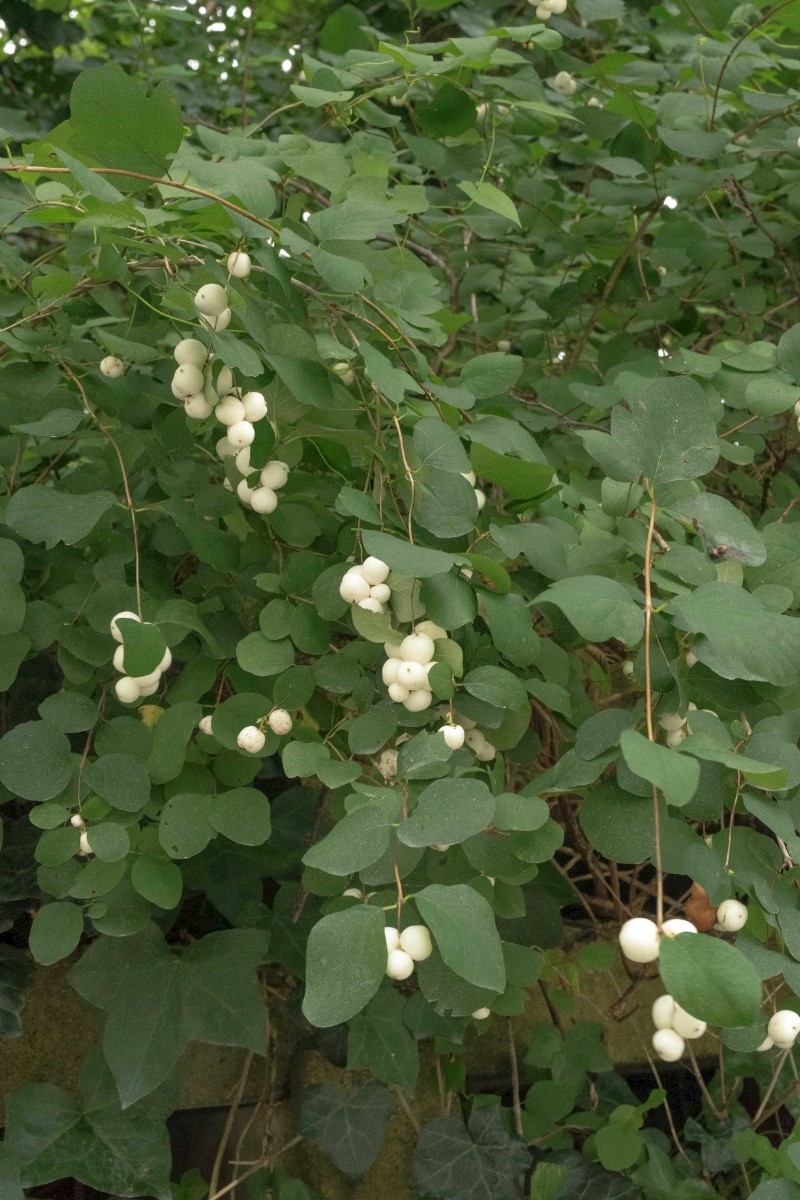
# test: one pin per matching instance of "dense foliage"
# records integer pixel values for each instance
(524, 310)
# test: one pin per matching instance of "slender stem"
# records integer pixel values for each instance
(128, 498)
(259, 1166)
(516, 1102)
(648, 687)
(409, 475)
(775, 1077)
(406, 1107)
(232, 1111)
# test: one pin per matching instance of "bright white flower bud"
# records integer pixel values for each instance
(250, 739)
(224, 381)
(627, 667)
(470, 477)
(371, 605)
(188, 380)
(389, 670)
(767, 1044)
(242, 461)
(481, 499)
(111, 366)
(674, 739)
(211, 300)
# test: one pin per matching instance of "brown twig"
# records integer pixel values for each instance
(648, 686)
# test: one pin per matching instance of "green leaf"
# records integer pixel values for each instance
(170, 738)
(120, 779)
(448, 811)
(619, 1145)
(154, 875)
(711, 979)
(740, 639)
(664, 433)
(345, 964)
(179, 998)
(121, 1151)
(497, 687)
(43, 514)
(355, 842)
(257, 655)
(766, 775)
(144, 647)
(55, 932)
(521, 480)
(16, 972)
(379, 1041)
(184, 829)
(463, 927)
(114, 123)
(35, 761)
(349, 1128)
(721, 523)
(69, 712)
(449, 600)
(675, 774)
(599, 608)
(511, 626)
(418, 562)
(488, 196)
(242, 815)
(487, 375)
(480, 1162)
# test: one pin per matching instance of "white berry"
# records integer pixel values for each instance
(190, 351)
(145, 682)
(374, 570)
(767, 1044)
(263, 500)
(205, 725)
(392, 936)
(242, 461)
(197, 407)
(127, 691)
(230, 411)
(731, 916)
(674, 739)
(627, 667)
(280, 721)
(111, 366)
(388, 764)
(663, 1011)
(638, 939)
(211, 300)
(371, 605)
(412, 675)
(244, 491)
(784, 1027)
(686, 1025)
(676, 925)
(565, 84)
(239, 264)
(275, 474)
(251, 739)
(241, 434)
(671, 722)
(417, 647)
(416, 941)
(83, 845)
(119, 659)
(188, 380)
(470, 477)
(398, 693)
(381, 592)
(224, 381)
(481, 1014)
(668, 1045)
(116, 632)
(225, 449)
(481, 499)
(255, 406)
(354, 587)
(399, 965)
(453, 736)
(217, 324)
(434, 631)
(77, 821)
(417, 701)
(389, 671)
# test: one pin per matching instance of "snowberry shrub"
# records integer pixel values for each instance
(399, 590)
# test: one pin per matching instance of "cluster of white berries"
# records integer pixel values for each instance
(674, 1027)
(112, 366)
(366, 585)
(406, 669)
(252, 738)
(565, 84)
(675, 726)
(472, 479)
(640, 940)
(131, 688)
(405, 948)
(211, 301)
(262, 499)
(77, 822)
(548, 8)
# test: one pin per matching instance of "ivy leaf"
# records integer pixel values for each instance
(125, 1152)
(379, 1041)
(463, 927)
(16, 973)
(711, 979)
(345, 964)
(664, 433)
(349, 1128)
(478, 1162)
(675, 774)
(155, 1001)
(599, 608)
